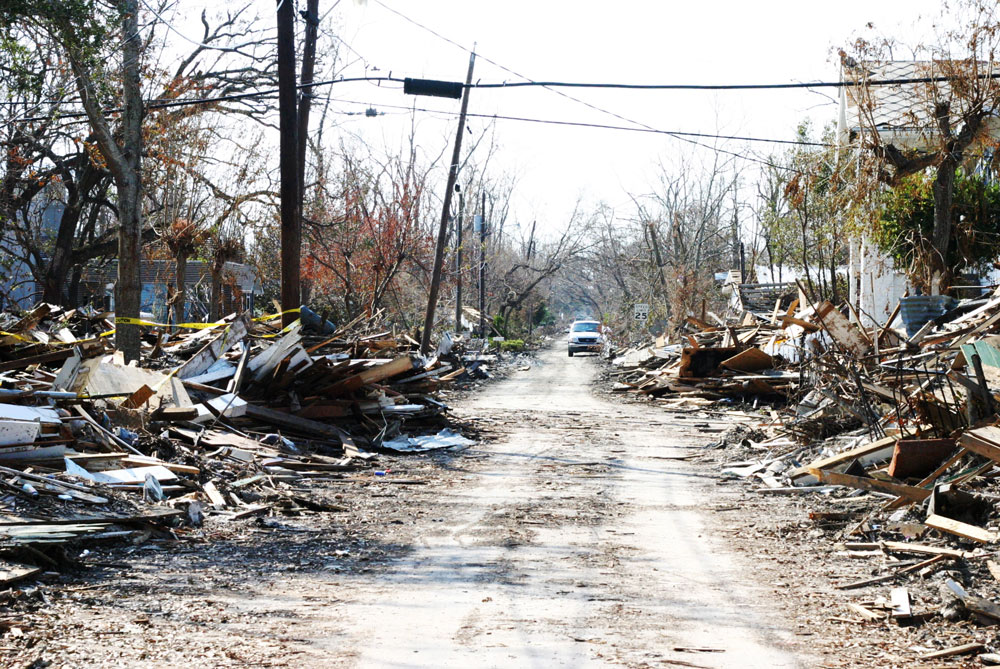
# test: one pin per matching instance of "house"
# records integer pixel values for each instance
(899, 113)
(239, 284)
(18, 287)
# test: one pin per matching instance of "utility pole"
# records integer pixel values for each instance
(442, 238)
(308, 69)
(482, 271)
(458, 262)
(128, 288)
(291, 208)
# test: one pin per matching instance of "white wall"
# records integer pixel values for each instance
(876, 285)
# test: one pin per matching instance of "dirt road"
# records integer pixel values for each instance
(575, 539)
(578, 542)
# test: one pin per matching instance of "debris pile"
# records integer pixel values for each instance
(892, 434)
(226, 420)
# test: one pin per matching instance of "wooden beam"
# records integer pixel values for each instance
(875, 485)
(958, 528)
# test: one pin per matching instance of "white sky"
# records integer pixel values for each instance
(633, 41)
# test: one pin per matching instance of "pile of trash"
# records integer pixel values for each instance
(224, 420)
(903, 423)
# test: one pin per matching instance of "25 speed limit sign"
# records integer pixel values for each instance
(641, 312)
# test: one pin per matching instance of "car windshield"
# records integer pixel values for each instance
(585, 327)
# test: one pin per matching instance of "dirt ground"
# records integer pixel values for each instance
(581, 531)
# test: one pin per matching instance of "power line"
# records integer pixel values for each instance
(723, 87)
(577, 100)
(223, 98)
(601, 126)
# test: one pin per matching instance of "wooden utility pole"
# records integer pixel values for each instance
(458, 262)
(128, 288)
(482, 271)
(291, 210)
(442, 238)
(308, 69)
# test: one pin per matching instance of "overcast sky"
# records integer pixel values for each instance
(637, 41)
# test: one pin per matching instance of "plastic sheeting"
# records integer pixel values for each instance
(446, 438)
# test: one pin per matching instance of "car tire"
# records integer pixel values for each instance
(571, 354)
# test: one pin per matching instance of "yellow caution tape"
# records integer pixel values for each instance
(285, 330)
(123, 320)
(19, 337)
(56, 343)
(271, 317)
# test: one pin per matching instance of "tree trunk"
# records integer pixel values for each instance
(180, 283)
(215, 304)
(944, 189)
(73, 291)
(62, 256)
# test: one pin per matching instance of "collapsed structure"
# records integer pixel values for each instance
(893, 434)
(229, 419)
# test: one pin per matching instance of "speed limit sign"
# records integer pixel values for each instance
(641, 312)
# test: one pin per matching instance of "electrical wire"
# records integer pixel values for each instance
(581, 124)
(722, 87)
(582, 102)
(224, 98)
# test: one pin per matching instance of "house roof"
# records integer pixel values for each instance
(902, 112)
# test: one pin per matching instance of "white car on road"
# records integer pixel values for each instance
(585, 336)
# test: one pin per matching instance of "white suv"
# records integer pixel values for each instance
(585, 336)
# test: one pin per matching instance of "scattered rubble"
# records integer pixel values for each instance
(220, 422)
(890, 437)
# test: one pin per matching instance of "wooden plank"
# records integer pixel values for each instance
(846, 334)
(372, 375)
(994, 569)
(141, 461)
(960, 529)
(964, 649)
(924, 549)
(21, 363)
(984, 441)
(213, 350)
(974, 603)
(899, 598)
(214, 496)
(171, 414)
(867, 453)
(864, 612)
(805, 325)
(875, 485)
(286, 420)
(14, 572)
(139, 397)
(750, 360)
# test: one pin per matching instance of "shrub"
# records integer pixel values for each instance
(512, 345)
